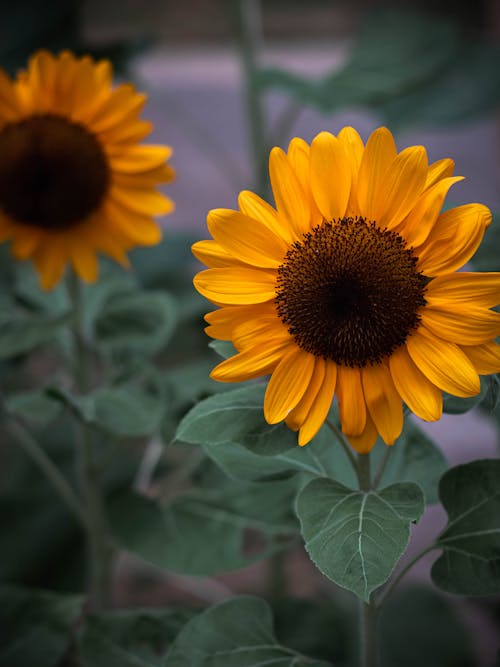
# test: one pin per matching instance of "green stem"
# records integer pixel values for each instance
(248, 30)
(392, 585)
(38, 455)
(99, 544)
(367, 610)
(368, 634)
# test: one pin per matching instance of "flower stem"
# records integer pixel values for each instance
(248, 30)
(383, 463)
(99, 545)
(38, 455)
(344, 444)
(367, 610)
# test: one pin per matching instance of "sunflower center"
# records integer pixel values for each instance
(53, 172)
(350, 292)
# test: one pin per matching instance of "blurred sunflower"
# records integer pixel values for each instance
(349, 287)
(74, 178)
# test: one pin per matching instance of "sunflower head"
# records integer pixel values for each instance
(348, 287)
(74, 177)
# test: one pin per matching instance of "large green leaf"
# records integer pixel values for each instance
(35, 626)
(21, 332)
(470, 562)
(202, 532)
(128, 410)
(235, 633)
(37, 406)
(356, 538)
(235, 416)
(395, 51)
(136, 322)
(414, 458)
(130, 638)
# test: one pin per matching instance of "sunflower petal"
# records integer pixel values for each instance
(330, 175)
(453, 240)
(320, 406)
(364, 442)
(213, 255)
(383, 402)
(236, 285)
(380, 151)
(438, 170)
(403, 183)
(291, 201)
(420, 395)
(485, 358)
(351, 400)
(246, 238)
(481, 289)
(297, 416)
(466, 325)
(251, 363)
(288, 384)
(443, 363)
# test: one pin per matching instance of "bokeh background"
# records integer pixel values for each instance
(429, 69)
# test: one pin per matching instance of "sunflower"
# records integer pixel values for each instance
(74, 178)
(349, 287)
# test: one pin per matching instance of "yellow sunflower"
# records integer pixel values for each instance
(74, 178)
(348, 287)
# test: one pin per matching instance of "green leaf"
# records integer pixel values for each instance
(37, 406)
(356, 538)
(395, 51)
(235, 633)
(130, 638)
(20, 333)
(470, 562)
(127, 410)
(414, 458)
(224, 348)
(467, 89)
(176, 535)
(137, 322)
(235, 416)
(35, 626)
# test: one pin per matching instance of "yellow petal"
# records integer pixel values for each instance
(213, 255)
(438, 170)
(251, 363)
(383, 402)
(135, 159)
(291, 201)
(354, 148)
(364, 442)
(480, 289)
(139, 229)
(422, 397)
(225, 320)
(246, 238)
(288, 384)
(297, 416)
(485, 358)
(255, 207)
(402, 186)
(443, 363)
(418, 224)
(454, 239)
(466, 325)
(146, 201)
(236, 285)
(380, 151)
(84, 260)
(330, 175)
(321, 405)
(257, 328)
(351, 400)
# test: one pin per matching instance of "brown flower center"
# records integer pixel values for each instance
(350, 292)
(53, 172)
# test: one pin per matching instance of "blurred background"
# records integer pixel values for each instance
(227, 80)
